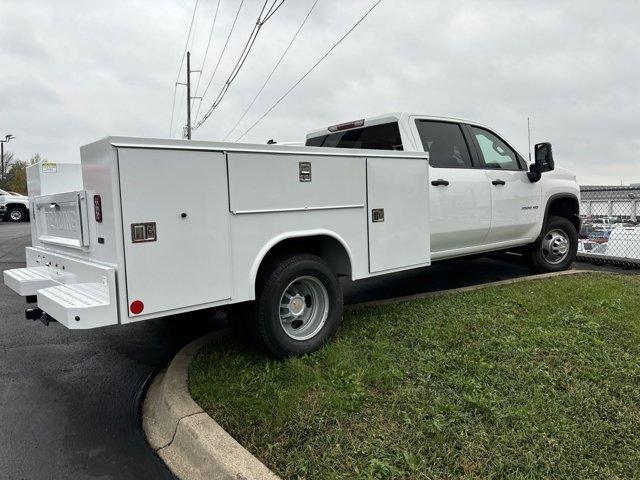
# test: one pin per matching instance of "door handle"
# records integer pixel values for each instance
(439, 182)
(499, 182)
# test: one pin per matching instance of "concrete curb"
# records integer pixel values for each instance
(188, 440)
(193, 445)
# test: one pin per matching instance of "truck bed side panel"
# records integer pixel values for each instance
(183, 194)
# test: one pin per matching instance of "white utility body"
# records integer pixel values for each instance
(275, 224)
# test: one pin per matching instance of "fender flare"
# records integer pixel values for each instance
(288, 236)
(550, 200)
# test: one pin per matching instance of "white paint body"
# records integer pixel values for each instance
(236, 203)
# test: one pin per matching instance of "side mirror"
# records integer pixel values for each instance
(544, 157)
(543, 161)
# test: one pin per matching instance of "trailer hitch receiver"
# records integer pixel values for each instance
(38, 314)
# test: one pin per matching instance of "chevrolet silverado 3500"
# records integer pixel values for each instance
(268, 229)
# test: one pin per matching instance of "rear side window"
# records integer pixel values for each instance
(495, 152)
(445, 143)
(385, 136)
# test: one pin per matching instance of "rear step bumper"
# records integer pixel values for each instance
(76, 293)
(27, 281)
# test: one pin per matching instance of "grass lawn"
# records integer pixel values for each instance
(536, 379)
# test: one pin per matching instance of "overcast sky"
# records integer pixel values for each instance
(72, 72)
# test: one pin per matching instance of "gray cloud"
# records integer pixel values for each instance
(72, 72)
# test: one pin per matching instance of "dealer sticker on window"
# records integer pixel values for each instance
(49, 167)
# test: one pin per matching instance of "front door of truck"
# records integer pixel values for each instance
(515, 201)
(459, 194)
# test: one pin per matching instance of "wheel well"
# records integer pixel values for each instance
(566, 207)
(324, 246)
(18, 205)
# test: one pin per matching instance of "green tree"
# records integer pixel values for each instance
(16, 180)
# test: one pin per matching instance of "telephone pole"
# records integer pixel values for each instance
(187, 129)
(2, 165)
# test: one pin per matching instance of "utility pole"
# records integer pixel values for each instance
(2, 165)
(187, 129)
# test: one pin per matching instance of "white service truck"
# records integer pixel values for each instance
(269, 229)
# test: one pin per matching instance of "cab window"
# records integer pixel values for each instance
(495, 153)
(445, 143)
(385, 136)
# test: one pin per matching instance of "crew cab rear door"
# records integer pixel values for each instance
(459, 194)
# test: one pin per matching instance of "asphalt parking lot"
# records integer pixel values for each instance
(69, 400)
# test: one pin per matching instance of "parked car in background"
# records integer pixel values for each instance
(3, 207)
(599, 236)
(585, 230)
(624, 242)
(17, 206)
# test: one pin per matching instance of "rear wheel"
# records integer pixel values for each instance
(298, 306)
(558, 247)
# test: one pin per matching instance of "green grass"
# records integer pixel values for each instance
(531, 380)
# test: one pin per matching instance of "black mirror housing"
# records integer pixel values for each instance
(544, 157)
(543, 161)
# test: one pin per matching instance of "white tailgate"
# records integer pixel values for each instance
(188, 262)
(63, 219)
(400, 188)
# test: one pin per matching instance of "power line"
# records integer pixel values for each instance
(241, 59)
(224, 49)
(175, 85)
(206, 51)
(284, 53)
(310, 70)
(273, 10)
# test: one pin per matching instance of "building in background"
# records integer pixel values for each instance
(614, 202)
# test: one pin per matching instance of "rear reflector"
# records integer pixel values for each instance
(136, 307)
(97, 207)
(346, 126)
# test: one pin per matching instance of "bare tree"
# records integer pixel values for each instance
(5, 162)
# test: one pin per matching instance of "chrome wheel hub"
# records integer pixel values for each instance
(304, 308)
(555, 246)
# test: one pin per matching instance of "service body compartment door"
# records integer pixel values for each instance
(175, 214)
(398, 209)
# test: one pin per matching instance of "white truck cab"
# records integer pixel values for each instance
(269, 229)
(483, 194)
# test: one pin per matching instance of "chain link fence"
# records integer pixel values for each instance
(610, 231)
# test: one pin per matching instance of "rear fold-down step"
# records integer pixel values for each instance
(79, 306)
(85, 298)
(27, 281)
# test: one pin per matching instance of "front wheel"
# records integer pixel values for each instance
(558, 247)
(16, 214)
(298, 306)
